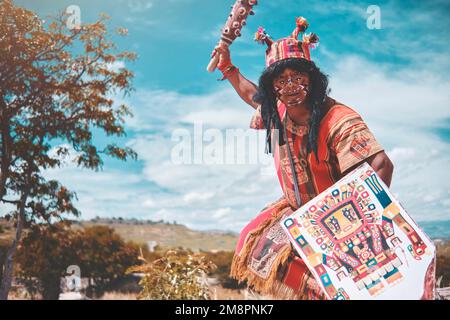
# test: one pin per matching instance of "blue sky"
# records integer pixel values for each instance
(396, 77)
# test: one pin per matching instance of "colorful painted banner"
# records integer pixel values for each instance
(360, 243)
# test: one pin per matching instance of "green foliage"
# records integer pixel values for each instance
(43, 256)
(103, 255)
(47, 251)
(177, 275)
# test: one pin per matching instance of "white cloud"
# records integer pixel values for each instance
(402, 154)
(153, 108)
(221, 212)
(116, 65)
(402, 108)
(214, 34)
(149, 203)
(219, 118)
(197, 196)
(139, 6)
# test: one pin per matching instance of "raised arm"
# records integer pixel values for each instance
(244, 87)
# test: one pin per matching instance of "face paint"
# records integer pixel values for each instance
(292, 87)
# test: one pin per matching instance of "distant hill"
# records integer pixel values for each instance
(145, 231)
(168, 234)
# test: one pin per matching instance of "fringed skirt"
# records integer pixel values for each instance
(265, 258)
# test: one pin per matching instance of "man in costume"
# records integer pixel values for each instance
(314, 140)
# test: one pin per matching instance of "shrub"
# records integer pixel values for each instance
(178, 274)
(443, 263)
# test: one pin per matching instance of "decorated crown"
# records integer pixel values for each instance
(289, 47)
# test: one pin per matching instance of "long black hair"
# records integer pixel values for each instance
(266, 96)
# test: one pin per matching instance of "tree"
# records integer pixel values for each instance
(44, 255)
(103, 256)
(56, 89)
(48, 249)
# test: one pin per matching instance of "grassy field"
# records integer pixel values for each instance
(142, 232)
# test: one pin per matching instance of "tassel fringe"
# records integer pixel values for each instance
(239, 265)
